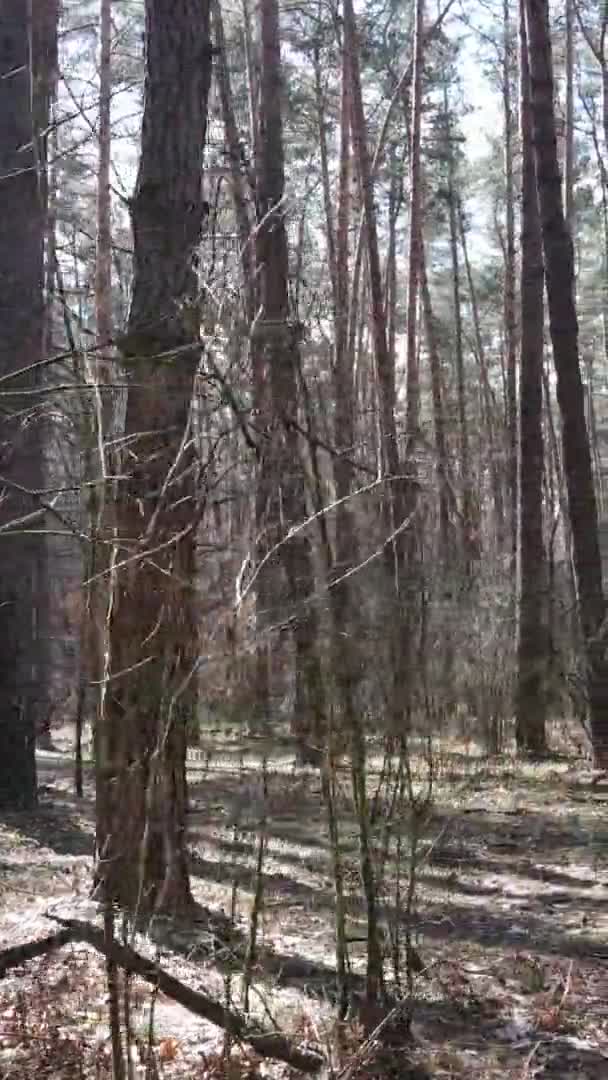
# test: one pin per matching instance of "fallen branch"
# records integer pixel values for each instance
(17, 955)
(268, 1044)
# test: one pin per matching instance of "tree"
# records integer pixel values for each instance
(27, 62)
(530, 704)
(277, 336)
(510, 313)
(149, 694)
(559, 269)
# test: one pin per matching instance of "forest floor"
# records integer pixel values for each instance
(511, 923)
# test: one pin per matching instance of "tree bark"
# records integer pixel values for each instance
(510, 312)
(415, 231)
(150, 680)
(569, 178)
(532, 649)
(443, 460)
(486, 389)
(559, 269)
(279, 343)
(27, 63)
(470, 530)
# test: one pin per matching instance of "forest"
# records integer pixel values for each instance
(303, 539)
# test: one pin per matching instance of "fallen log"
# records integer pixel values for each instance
(268, 1044)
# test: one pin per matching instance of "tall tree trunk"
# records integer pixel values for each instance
(569, 178)
(486, 389)
(265, 507)
(470, 540)
(153, 621)
(510, 313)
(532, 651)
(103, 261)
(278, 339)
(27, 64)
(559, 269)
(443, 462)
(415, 231)
(400, 493)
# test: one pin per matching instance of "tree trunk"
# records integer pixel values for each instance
(27, 62)
(530, 702)
(470, 538)
(278, 340)
(400, 493)
(443, 461)
(510, 265)
(559, 269)
(569, 179)
(415, 230)
(486, 389)
(149, 693)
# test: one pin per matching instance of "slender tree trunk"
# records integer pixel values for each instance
(150, 681)
(241, 209)
(400, 495)
(415, 229)
(443, 463)
(532, 652)
(569, 179)
(321, 118)
(559, 269)
(486, 390)
(103, 262)
(265, 507)
(510, 313)
(278, 338)
(470, 538)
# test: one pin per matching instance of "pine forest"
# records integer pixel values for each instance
(303, 539)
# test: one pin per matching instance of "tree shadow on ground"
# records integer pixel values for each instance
(54, 827)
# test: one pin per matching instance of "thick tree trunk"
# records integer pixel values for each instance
(149, 693)
(27, 60)
(532, 652)
(559, 269)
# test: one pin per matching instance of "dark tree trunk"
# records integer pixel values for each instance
(278, 341)
(559, 269)
(27, 58)
(532, 583)
(149, 696)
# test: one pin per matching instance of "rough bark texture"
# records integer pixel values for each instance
(559, 269)
(26, 62)
(530, 703)
(149, 695)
